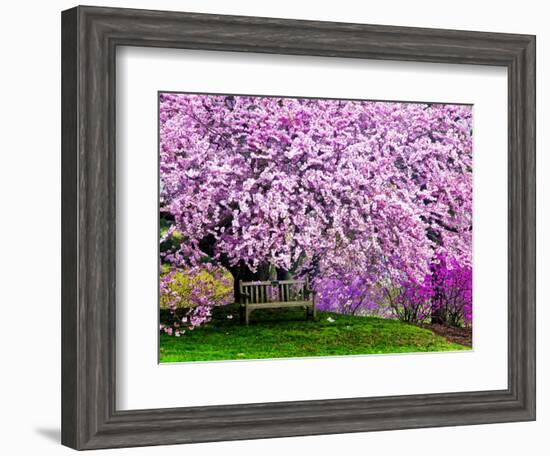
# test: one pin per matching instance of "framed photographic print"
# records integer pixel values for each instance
(288, 205)
(280, 228)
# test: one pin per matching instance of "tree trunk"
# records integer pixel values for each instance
(283, 274)
(242, 273)
(438, 312)
(239, 271)
(438, 317)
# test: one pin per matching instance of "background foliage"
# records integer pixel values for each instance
(371, 201)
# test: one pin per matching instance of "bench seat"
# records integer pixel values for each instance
(288, 293)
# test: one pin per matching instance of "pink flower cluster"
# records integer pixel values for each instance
(337, 190)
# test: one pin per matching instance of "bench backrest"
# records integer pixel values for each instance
(274, 291)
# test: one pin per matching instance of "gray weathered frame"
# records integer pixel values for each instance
(90, 36)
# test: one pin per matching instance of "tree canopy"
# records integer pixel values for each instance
(316, 186)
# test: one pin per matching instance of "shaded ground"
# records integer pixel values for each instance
(462, 336)
(285, 333)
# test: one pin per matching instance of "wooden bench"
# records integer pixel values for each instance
(275, 294)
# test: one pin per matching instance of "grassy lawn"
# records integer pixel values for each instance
(285, 333)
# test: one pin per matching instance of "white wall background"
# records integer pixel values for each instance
(30, 225)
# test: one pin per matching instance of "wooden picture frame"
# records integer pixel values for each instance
(90, 36)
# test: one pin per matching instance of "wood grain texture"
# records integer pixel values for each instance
(69, 246)
(89, 39)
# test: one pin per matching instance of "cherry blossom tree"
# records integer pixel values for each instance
(331, 189)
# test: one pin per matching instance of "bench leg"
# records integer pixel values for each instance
(247, 316)
(311, 312)
(241, 314)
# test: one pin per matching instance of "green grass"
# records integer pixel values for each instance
(285, 333)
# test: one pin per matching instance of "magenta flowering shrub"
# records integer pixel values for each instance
(443, 296)
(450, 285)
(349, 295)
(411, 301)
(353, 195)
